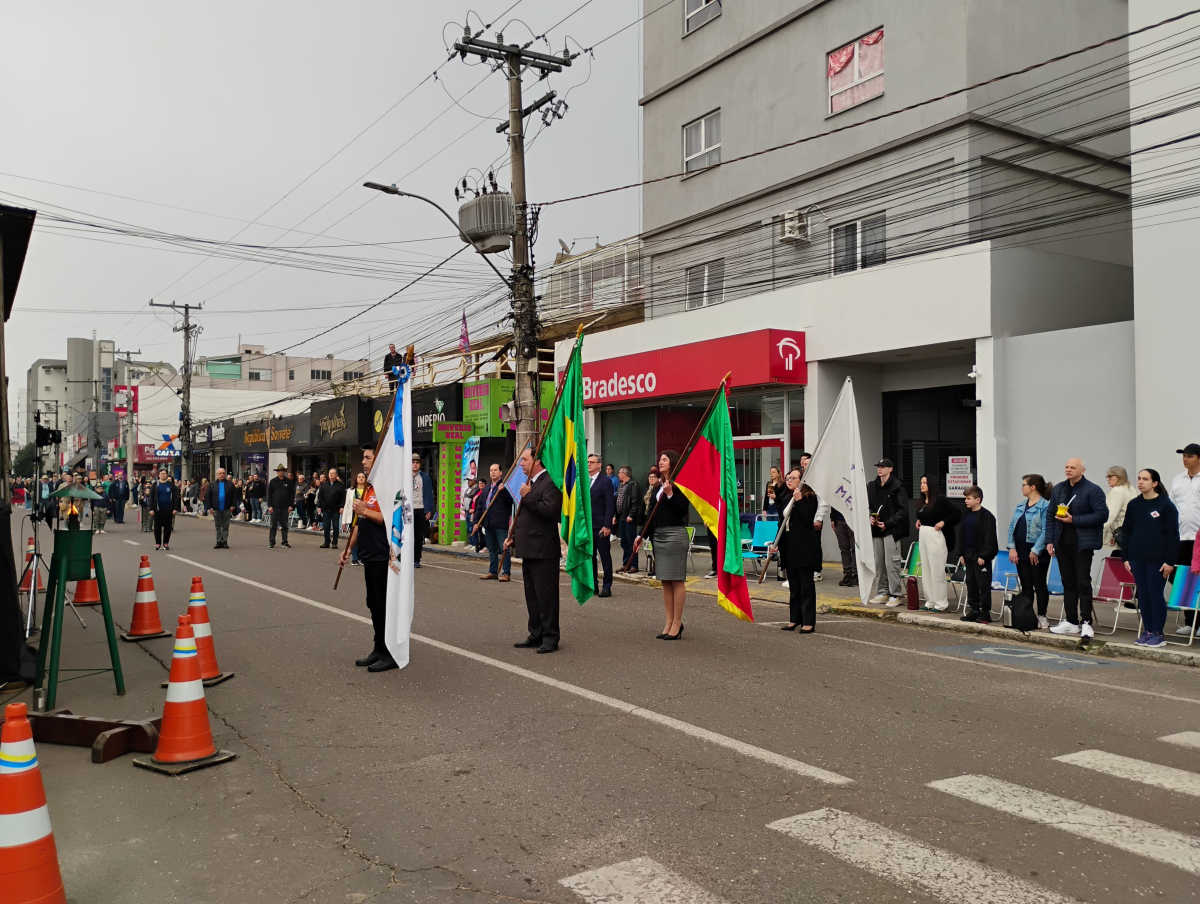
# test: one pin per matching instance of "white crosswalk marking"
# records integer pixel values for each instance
(908, 862)
(1123, 832)
(640, 881)
(1135, 770)
(1184, 739)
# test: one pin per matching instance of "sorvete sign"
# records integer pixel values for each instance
(754, 359)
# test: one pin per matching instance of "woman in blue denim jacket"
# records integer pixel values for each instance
(1027, 543)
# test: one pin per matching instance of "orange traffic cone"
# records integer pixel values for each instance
(185, 740)
(28, 856)
(27, 581)
(210, 672)
(87, 593)
(146, 623)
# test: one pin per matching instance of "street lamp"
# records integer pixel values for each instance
(392, 190)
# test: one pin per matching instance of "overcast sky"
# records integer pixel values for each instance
(225, 108)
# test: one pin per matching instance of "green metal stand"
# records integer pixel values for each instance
(72, 561)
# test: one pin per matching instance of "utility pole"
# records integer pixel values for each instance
(123, 437)
(185, 418)
(525, 320)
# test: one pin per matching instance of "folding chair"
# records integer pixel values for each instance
(760, 540)
(1116, 586)
(1184, 594)
(691, 532)
(1004, 578)
(1054, 587)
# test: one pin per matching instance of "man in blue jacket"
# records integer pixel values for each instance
(424, 506)
(118, 492)
(498, 504)
(604, 517)
(1074, 531)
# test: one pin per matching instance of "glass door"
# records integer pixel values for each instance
(753, 460)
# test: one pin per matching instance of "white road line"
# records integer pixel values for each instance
(1184, 739)
(1135, 770)
(640, 881)
(1040, 676)
(911, 863)
(131, 543)
(1123, 832)
(758, 753)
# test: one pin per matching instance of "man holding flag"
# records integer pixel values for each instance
(536, 540)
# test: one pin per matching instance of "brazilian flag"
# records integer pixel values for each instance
(564, 454)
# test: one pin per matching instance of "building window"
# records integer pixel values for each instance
(291, 375)
(106, 389)
(697, 12)
(321, 375)
(856, 72)
(705, 284)
(260, 375)
(702, 142)
(352, 375)
(48, 389)
(860, 244)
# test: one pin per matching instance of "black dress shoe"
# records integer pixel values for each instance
(218, 546)
(528, 643)
(324, 546)
(548, 648)
(789, 627)
(384, 664)
(604, 593)
(270, 546)
(370, 659)
(286, 545)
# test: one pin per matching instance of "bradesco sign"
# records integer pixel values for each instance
(754, 359)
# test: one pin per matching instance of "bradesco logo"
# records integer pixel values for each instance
(617, 386)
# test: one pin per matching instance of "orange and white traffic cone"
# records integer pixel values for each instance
(28, 856)
(146, 622)
(27, 581)
(210, 672)
(185, 740)
(87, 593)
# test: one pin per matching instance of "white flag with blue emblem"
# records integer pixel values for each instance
(392, 478)
(836, 475)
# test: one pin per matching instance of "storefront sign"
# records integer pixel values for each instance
(484, 401)
(957, 485)
(759, 358)
(452, 439)
(333, 424)
(960, 464)
(453, 432)
(338, 422)
(434, 406)
(125, 400)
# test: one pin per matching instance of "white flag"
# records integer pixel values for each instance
(392, 478)
(836, 475)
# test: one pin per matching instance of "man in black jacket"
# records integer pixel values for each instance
(222, 499)
(604, 519)
(888, 499)
(280, 496)
(629, 513)
(976, 537)
(498, 504)
(390, 360)
(165, 501)
(536, 542)
(331, 498)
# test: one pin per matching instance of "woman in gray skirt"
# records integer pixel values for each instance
(667, 530)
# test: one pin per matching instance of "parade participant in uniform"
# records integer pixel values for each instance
(535, 540)
(280, 495)
(369, 538)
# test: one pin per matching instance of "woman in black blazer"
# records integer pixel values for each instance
(800, 553)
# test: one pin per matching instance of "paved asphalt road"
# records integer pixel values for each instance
(868, 763)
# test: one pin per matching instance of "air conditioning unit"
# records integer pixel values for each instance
(795, 227)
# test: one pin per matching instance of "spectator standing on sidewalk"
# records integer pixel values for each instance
(936, 520)
(424, 506)
(301, 511)
(845, 538)
(888, 500)
(979, 547)
(1074, 531)
(390, 360)
(1120, 492)
(356, 492)
(629, 513)
(331, 499)
(280, 496)
(652, 478)
(222, 500)
(310, 501)
(494, 526)
(1150, 546)
(1027, 544)
(604, 501)
(118, 492)
(1185, 494)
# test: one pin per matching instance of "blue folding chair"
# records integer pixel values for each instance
(1184, 596)
(1004, 578)
(760, 540)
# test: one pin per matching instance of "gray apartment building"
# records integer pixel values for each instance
(830, 202)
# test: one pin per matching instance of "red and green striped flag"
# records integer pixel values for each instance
(708, 480)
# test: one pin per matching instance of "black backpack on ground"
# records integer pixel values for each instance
(1019, 614)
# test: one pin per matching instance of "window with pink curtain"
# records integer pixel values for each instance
(855, 72)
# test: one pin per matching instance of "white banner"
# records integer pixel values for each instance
(836, 475)
(392, 478)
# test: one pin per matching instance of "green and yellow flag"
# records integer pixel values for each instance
(564, 453)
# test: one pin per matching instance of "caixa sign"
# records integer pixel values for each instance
(760, 358)
(619, 386)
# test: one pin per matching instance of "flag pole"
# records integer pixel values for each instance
(410, 359)
(687, 450)
(503, 483)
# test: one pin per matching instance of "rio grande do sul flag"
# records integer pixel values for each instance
(708, 480)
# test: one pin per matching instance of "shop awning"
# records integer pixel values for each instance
(78, 459)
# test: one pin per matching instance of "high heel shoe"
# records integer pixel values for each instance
(809, 631)
(789, 627)
(673, 636)
(661, 636)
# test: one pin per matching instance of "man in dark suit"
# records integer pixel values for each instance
(535, 538)
(604, 519)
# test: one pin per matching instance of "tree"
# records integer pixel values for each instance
(23, 464)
